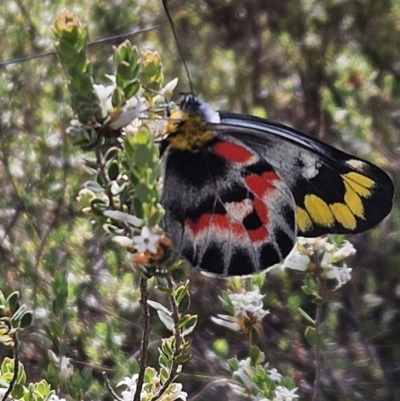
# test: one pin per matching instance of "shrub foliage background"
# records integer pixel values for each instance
(330, 68)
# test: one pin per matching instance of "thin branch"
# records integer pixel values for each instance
(318, 319)
(94, 42)
(145, 336)
(177, 351)
(16, 368)
(102, 171)
(109, 388)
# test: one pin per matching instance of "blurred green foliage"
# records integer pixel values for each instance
(328, 67)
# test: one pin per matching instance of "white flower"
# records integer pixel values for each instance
(54, 397)
(248, 304)
(296, 260)
(146, 241)
(337, 254)
(131, 110)
(126, 242)
(175, 394)
(341, 274)
(63, 363)
(122, 216)
(245, 373)
(130, 382)
(238, 389)
(174, 391)
(347, 249)
(274, 375)
(169, 88)
(226, 321)
(284, 394)
(104, 94)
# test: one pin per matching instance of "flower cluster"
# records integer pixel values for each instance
(329, 253)
(151, 385)
(259, 382)
(247, 309)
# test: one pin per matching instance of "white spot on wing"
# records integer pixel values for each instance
(310, 165)
(239, 210)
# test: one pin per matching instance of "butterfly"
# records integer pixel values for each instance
(239, 189)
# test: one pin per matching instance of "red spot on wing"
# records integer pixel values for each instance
(238, 231)
(259, 235)
(217, 222)
(261, 186)
(233, 152)
(270, 176)
(220, 222)
(262, 211)
(200, 225)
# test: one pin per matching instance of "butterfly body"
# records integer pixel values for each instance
(239, 189)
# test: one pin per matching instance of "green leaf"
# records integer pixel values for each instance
(311, 281)
(132, 89)
(233, 364)
(42, 388)
(178, 272)
(164, 374)
(167, 320)
(310, 334)
(51, 376)
(306, 316)
(93, 186)
(143, 192)
(13, 301)
(138, 207)
(156, 218)
(143, 156)
(184, 304)
(18, 391)
(87, 379)
(111, 153)
(2, 298)
(143, 137)
(18, 313)
(189, 326)
(183, 358)
(113, 171)
(26, 320)
(256, 355)
(158, 307)
(130, 147)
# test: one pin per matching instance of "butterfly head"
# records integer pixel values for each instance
(189, 126)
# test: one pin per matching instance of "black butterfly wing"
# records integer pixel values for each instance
(226, 209)
(334, 192)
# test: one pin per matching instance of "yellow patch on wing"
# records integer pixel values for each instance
(353, 201)
(304, 221)
(344, 215)
(319, 210)
(359, 183)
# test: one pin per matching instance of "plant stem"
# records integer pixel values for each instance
(16, 368)
(109, 388)
(145, 336)
(178, 342)
(318, 318)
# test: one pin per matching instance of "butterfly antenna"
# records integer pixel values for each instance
(171, 22)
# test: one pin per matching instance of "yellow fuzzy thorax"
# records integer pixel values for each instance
(187, 131)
